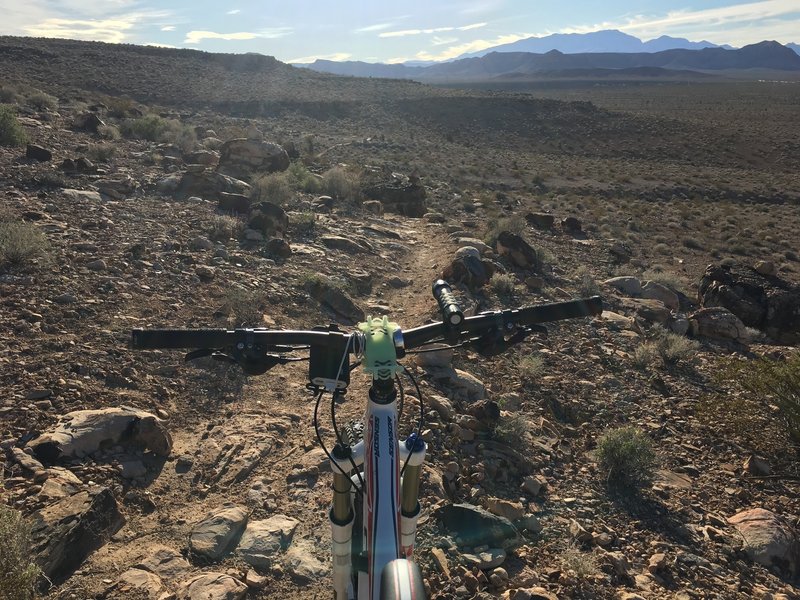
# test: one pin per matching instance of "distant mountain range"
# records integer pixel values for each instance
(609, 40)
(795, 47)
(496, 65)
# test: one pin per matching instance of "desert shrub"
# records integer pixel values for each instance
(645, 355)
(674, 348)
(51, 179)
(22, 246)
(224, 228)
(108, 132)
(692, 243)
(587, 285)
(658, 274)
(8, 95)
(583, 564)
(18, 572)
(42, 101)
(119, 107)
(11, 132)
(512, 429)
(273, 188)
(341, 184)
(503, 284)
(497, 226)
(245, 307)
(158, 129)
(300, 178)
(777, 382)
(302, 223)
(661, 249)
(530, 366)
(627, 457)
(101, 152)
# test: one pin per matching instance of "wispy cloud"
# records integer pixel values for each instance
(442, 41)
(339, 56)
(114, 30)
(168, 28)
(371, 28)
(235, 11)
(195, 37)
(407, 32)
(473, 46)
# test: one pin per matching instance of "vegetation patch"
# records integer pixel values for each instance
(626, 456)
(18, 572)
(11, 132)
(22, 246)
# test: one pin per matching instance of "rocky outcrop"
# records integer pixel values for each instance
(718, 323)
(400, 194)
(214, 536)
(207, 185)
(264, 540)
(243, 158)
(469, 269)
(764, 302)
(520, 252)
(335, 299)
(83, 432)
(768, 539)
(66, 532)
(269, 219)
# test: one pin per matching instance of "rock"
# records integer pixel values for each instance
(97, 265)
(335, 299)
(657, 563)
(627, 284)
(35, 152)
(269, 219)
(132, 469)
(81, 195)
(571, 225)
(303, 565)
(534, 283)
(26, 461)
(541, 220)
(215, 535)
(279, 248)
(212, 586)
(620, 252)
(201, 157)
(254, 580)
(505, 508)
(243, 158)
(579, 532)
(647, 309)
(488, 559)
(765, 268)
(201, 243)
(165, 562)
(441, 356)
(473, 243)
(679, 324)
(460, 385)
(764, 302)
(335, 242)
(233, 203)
(374, 207)
(439, 559)
(88, 121)
(118, 188)
(755, 465)
(520, 252)
(619, 563)
(60, 483)
(441, 405)
(138, 582)
(718, 323)
(205, 273)
(471, 526)
(529, 523)
(263, 540)
(468, 268)
(66, 532)
(83, 432)
(206, 184)
(400, 194)
(656, 291)
(768, 539)
(534, 593)
(534, 484)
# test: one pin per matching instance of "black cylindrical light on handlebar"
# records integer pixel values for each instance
(452, 314)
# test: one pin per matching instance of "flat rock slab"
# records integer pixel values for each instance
(212, 586)
(166, 563)
(768, 539)
(471, 526)
(66, 532)
(84, 432)
(303, 565)
(141, 582)
(215, 535)
(263, 540)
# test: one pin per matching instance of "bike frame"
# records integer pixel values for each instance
(390, 502)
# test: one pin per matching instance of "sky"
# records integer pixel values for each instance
(378, 31)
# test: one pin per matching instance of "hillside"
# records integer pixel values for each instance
(167, 188)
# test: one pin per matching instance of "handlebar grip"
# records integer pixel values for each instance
(180, 338)
(584, 307)
(452, 314)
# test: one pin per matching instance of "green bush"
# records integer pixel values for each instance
(513, 430)
(101, 152)
(224, 228)
(300, 178)
(273, 188)
(22, 245)
(587, 285)
(8, 95)
(583, 564)
(627, 457)
(41, 101)
(341, 184)
(158, 129)
(108, 132)
(11, 133)
(530, 366)
(778, 382)
(303, 223)
(18, 573)
(503, 284)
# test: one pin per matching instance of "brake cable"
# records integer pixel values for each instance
(359, 489)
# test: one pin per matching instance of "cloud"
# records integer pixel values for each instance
(473, 46)
(339, 56)
(440, 41)
(114, 30)
(371, 28)
(168, 28)
(195, 37)
(235, 11)
(407, 32)
(159, 45)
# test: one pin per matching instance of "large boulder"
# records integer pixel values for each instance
(399, 194)
(207, 185)
(765, 302)
(468, 268)
(242, 158)
(269, 219)
(472, 526)
(66, 532)
(520, 252)
(335, 299)
(83, 432)
(768, 539)
(264, 540)
(657, 291)
(719, 324)
(215, 535)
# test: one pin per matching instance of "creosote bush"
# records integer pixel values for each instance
(503, 284)
(530, 366)
(583, 564)
(627, 457)
(224, 228)
(512, 430)
(273, 188)
(158, 129)
(18, 572)
(22, 246)
(11, 132)
(301, 179)
(341, 184)
(42, 101)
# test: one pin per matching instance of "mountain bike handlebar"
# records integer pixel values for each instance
(274, 340)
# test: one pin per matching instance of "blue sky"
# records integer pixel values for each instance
(302, 30)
